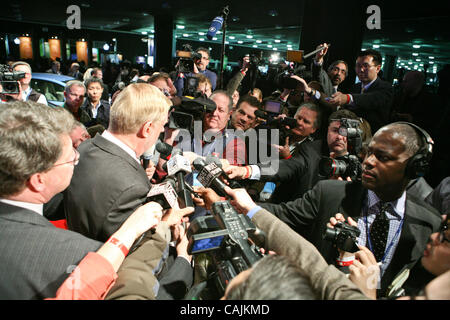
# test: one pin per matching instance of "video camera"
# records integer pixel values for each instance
(8, 79)
(343, 236)
(187, 59)
(272, 109)
(348, 165)
(224, 237)
(191, 109)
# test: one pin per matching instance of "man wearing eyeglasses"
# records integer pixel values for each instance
(200, 66)
(371, 98)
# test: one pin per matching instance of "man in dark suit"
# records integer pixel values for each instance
(300, 173)
(110, 182)
(386, 173)
(36, 257)
(372, 97)
(333, 77)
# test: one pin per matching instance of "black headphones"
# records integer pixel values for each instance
(419, 164)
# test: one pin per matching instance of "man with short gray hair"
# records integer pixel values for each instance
(74, 94)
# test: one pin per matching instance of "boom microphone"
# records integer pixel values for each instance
(215, 26)
(164, 149)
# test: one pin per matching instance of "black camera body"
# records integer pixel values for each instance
(223, 237)
(187, 59)
(8, 79)
(349, 165)
(191, 109)
(343, 236)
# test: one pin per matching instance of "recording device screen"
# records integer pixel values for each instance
(207, 244)
(272, 106)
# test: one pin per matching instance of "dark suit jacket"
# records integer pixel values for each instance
(374, 104)
(319, 75)
(35, 256)
(106, 187)
(310, 214)
(297, 174)
(102, 114)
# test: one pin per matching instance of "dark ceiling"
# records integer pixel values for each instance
(268, 23)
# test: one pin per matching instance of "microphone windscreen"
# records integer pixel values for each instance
(216, 25)
(199, 163)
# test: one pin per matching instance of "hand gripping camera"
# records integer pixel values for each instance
(224, 237)
(8, 79)
(349, 165)
(343, 236)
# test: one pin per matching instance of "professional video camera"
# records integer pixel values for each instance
(191, 109)
(343, 236)
(187, 59)
(349, 165)
(232, 243)
(8, 79)
(272, 109)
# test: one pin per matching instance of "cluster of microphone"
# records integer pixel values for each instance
(174, 191)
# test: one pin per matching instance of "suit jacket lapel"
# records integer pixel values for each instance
(353, 201)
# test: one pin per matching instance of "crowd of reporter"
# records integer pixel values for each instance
(77, 221)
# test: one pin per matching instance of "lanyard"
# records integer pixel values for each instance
(390, 244)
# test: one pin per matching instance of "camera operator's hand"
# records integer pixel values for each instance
(321, 53)
(195, 68)
(172, 89)
(181, 240)
(283, 150)
(208, 195)
(242, 201)
(174, 216)
(364, 272)
(340, 218)
(13, 96)
(236, 172)
(338, 99)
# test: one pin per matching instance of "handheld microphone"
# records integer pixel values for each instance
(164, 193)
(215, 26)
(177, 167)
(209, 175)
(214, 159)
(147, 156)
(164, 149)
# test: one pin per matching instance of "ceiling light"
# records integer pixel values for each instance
(202, 39)
(418, 60)
(269, 46)
(277, 41)
(180, 27)
(17, 41)
(232, 37)
(254, 46)
(240, 41)
(258, 41)
(144, 32)
(106, 47)
(249, 36)
(275, 49)
(201, 33)
(185, 35)
(416, 46)
(214, 38)
(431, 62)
(415, 54)
(375, 46)
(431, 58)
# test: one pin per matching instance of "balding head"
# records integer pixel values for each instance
(411, 138)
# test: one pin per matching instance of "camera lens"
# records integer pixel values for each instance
(330, 167)
(330, 234)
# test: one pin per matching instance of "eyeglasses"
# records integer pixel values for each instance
(75, 160)
(442, 230)
(364, 66)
